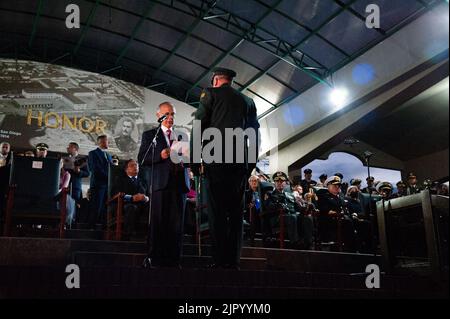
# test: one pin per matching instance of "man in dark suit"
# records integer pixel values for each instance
(134, 189)
(226, 109)
(170, 186)
(98, 161)
(76, 165)
(5, 161)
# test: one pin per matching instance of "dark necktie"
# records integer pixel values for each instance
(169, 136)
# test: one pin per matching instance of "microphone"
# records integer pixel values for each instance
(180, 151)
(162, 118)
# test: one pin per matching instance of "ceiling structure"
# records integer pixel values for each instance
(280, 48)
(415, 129)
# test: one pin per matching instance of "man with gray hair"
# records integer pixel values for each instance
(170, 185)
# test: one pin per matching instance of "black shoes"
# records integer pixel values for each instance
(152, 264)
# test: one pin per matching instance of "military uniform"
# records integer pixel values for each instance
(299, 227)
(41, 150)
(401, 190)
(385, 190)
(307, 184)
(327, 224)
(371, 189)
(411, 188)
(225, 108)
(126, 144)
(356, 182)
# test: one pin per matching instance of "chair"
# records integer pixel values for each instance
(114, 205)
(33, 193)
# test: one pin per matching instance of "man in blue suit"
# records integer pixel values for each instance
(98, 161)
(170, 186)
(76, 165)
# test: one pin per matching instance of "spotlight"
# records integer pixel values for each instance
(338, 97)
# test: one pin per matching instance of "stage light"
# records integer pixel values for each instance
(338, 97)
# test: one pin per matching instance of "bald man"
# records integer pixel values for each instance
(170, 186)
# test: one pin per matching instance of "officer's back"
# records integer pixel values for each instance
(222, 107)
(229, 108)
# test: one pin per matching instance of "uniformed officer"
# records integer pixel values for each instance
(299, 227)
(222, 107)
(412, 187)
(401, 189)
(356, 182)
(385, 190)
(322, 179)
(307, 183)
(332, 208)
(124, 140)
(370, 189)
(41, 150)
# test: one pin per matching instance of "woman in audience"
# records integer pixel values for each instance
(64, 182)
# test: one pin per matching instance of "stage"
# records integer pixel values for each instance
(36, 268)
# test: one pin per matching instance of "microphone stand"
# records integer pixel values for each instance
(244, 204)
(147, 263)
(372, 216)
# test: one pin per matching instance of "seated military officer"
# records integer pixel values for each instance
(412, 186)
(356, 182)
(401, 190)
(385, 190)
(332, 210)
(299, 227)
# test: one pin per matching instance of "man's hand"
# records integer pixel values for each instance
(139, 198)
(332, 213)
(77, 170)
(165, 154)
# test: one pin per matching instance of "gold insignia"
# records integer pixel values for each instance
(203, 95)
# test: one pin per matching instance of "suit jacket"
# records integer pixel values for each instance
(4, 174)
(98, 167)
(124, 184)
(76, 178)
(164, 170)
